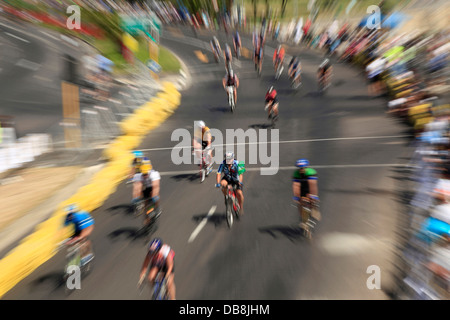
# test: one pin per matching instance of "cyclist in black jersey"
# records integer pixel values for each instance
(231, 80)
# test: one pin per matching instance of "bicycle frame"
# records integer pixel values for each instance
(160, 287)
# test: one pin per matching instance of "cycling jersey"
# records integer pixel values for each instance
(231, 174)
(205, 136)
(271, 96)
(81, 220)
(148, 179)
(159, 260)
(278, 55)
(231, 81)
(303, 179)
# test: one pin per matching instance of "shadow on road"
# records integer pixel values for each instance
(217, 219)
(293, 233)
(52, 282)
(121, 208)
(189, 177)
(261, 126)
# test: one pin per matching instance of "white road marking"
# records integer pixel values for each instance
(202, 224)
(331, 166)
(28, 64)
(19, 38)
(281, 142)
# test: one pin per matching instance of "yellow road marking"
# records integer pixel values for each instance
(201, 56)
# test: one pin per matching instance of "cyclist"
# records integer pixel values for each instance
(237, 43)
(202, 141)
(232, 172)
(140, 162)
(295, 68)
(258, 54)
(148, 184)
(278, 57)
(305, 190)
(160, 257)
(215, 47)
(231, 80)
(324, 73)
(271, 103)
(228, 56)
(84, 225)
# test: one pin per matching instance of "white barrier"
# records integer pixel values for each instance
(26, 149)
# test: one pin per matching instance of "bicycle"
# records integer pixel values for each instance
(279, 70)
(160, 291)
(273, 118)
(152, 214)
(310, 210)
(74, 259)
(296, 80)
(231, 102)
(205, 166)
(231, 205)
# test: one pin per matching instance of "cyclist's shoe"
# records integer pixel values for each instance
(88, 258)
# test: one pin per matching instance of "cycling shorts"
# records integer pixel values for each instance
(233, 183)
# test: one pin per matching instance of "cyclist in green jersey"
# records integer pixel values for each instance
(305, 190)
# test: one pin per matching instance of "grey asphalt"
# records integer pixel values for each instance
(360, 154)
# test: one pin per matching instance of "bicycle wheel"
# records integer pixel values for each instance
(229, 213)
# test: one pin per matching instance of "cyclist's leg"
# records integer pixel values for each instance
(224, 184)
(152, 274)
(171, 285)
(137, 191)
(240, 197)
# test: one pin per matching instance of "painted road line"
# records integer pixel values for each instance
(325, 166)
(202, 224)
(284, 142)
(19, 38)
(28, 64)
(201, 56)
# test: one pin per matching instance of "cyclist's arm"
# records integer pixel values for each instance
(169, 263)
(219, 174)
(296, 188)
(313, 188)
(86, 232)
(224, 82)
(237, 82)
(145, 266)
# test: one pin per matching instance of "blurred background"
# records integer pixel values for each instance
(64, 92)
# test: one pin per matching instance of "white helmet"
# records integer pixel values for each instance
(229, 157)
(201, 123)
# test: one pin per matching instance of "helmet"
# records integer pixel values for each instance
(201, 123)
(146, 165)
(270, 89)
(155, 245)
(302, 163)
(279, 47)
(71, 208)
(138, 154)
(229, 157)
(231, 73)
